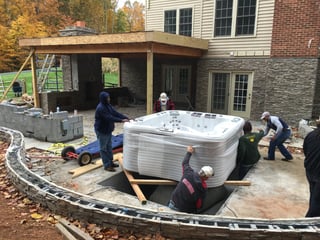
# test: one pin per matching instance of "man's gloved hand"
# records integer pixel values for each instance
(190, 149)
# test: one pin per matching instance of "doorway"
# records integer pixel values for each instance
(176, 81)
(230, 93)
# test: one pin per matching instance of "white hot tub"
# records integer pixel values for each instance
(155, 145)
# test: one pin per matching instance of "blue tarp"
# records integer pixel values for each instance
(93, 148)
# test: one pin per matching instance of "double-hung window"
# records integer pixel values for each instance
(235, 18)
(178, 21)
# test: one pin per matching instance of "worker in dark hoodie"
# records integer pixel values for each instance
(105, 117)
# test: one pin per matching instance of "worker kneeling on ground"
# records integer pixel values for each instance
(190, 192)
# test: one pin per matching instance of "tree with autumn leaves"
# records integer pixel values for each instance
(44, 18)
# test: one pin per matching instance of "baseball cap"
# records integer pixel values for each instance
(265, 114)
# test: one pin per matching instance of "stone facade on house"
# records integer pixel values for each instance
(277, 83)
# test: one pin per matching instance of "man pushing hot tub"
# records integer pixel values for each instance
(190, 192)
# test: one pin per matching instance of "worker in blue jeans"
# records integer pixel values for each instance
(282, 133)
(105, 117)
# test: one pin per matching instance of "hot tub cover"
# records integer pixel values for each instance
(155, 144)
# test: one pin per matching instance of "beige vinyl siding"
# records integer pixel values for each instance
(258, 45)
(155, 14)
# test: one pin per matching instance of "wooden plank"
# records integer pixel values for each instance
(153, 182)
(134, 186)
(171, 182)
(75, 230)
(87, 168)
(118, 38)
(66, 234)
(36, 98)
(238, 183)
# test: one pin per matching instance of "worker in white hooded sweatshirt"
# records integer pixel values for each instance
(163, 103)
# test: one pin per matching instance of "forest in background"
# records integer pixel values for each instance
(44, 18)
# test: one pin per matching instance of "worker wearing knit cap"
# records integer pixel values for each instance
(163, 103)
(191, 191)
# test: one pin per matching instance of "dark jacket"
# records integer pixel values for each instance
(311, 149)
(157, 105)
(190, 192)
(248, 153)
(106, 115)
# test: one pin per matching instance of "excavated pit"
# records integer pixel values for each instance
(161, 194)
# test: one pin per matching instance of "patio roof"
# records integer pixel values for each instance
(120, 43)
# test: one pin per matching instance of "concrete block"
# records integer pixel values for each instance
(34, 110)
(304, 128)
(32, 123)
(60, 115)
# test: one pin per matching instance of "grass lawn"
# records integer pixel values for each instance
(55, 77)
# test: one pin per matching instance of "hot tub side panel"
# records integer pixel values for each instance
(160, 155)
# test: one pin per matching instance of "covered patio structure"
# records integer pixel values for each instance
(86, 51)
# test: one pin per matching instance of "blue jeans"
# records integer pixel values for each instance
(172, 205)
(105, 144)
(278, 142)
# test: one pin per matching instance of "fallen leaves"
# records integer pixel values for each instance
(36, 216)
(32, 213)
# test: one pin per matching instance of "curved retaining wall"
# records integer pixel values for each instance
(179, 226)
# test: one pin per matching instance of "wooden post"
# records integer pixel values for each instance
(34, 82)
(150, 80)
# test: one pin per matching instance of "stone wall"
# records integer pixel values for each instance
(316, 102)
(82, 78)
(57, 127)
(69, 203)
(134, 76)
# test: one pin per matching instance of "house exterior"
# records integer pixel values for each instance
(263, 55)
(236, 57)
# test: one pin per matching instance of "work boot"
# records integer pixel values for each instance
(114, 165)
(110, 169)
(265, 158)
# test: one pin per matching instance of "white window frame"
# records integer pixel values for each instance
(178, 18)
(234, 22)
(230, 91)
